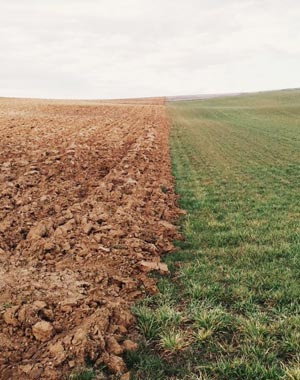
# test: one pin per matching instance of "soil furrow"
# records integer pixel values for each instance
(86, 206)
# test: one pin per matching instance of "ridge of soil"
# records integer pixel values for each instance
(86, 209)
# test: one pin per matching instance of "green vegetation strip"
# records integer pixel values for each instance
(230, 309)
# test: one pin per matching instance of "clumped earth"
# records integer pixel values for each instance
(86, 209)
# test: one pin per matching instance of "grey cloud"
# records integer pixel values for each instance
(101, 48)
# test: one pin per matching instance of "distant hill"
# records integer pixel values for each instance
(211, 96)
(201, 96)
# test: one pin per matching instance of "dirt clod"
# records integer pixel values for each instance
(148, 266)
(9, 316)
(129, 345)
(113, 347)
(42, 331)
(126, 376)
(115, 364)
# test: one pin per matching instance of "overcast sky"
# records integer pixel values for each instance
(132, 48)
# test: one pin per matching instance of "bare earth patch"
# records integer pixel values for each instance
(86, 210)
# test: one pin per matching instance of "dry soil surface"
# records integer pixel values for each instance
(86, 209)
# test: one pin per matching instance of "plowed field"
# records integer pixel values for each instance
(86, 210)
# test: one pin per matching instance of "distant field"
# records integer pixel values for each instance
(231, 309)
(200, 97)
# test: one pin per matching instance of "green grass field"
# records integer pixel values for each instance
(231, 308)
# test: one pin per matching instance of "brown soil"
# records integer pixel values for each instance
(86, 206)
